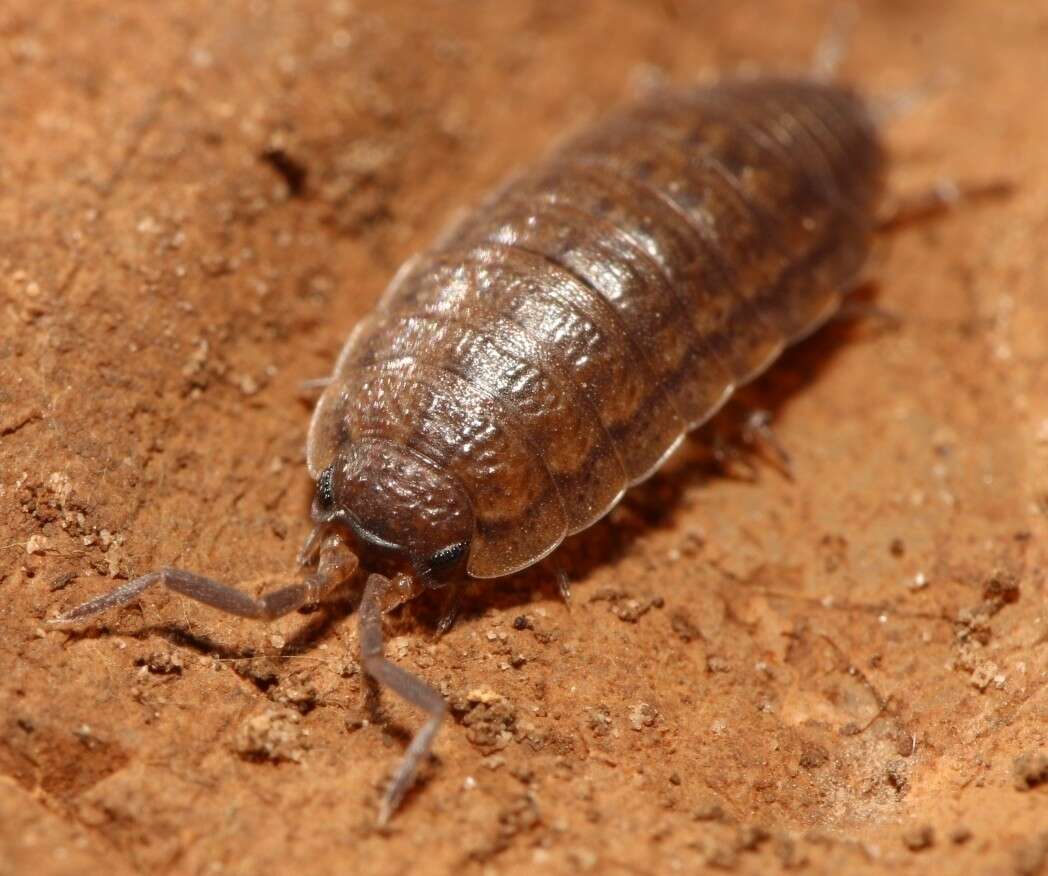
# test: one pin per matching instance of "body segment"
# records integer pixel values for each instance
(558, 343)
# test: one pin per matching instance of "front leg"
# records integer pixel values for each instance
(382, 594)
(336, 564)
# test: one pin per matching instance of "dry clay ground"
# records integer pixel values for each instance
(842, 672)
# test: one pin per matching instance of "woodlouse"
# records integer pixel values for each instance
(557, 345)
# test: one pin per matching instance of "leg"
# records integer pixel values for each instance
(832, 46)
(757, 430)
(309, 388)
(730, 458)
(936, 199)
(759, 439)
(450, 609)
(310, 550)
(336, 565)
(378, 594)
(852, 309)
(561, 578)
(563, 585)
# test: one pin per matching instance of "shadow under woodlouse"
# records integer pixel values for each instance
(656, 502)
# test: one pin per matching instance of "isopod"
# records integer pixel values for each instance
(555, 346)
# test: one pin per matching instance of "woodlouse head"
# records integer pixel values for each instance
(397, 502)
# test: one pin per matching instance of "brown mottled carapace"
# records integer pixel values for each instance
(556, 345)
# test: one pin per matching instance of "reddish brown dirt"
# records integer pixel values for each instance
(842, 672)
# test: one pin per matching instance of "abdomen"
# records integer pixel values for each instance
(555, 347)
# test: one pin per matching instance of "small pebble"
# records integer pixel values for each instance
(919, 838)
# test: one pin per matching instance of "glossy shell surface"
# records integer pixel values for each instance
(555, 346)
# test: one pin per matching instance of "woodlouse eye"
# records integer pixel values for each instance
(446, 559)
(325, 496)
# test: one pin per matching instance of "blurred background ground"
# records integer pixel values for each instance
(845, 672)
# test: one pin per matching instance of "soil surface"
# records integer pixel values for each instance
(842, 671)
